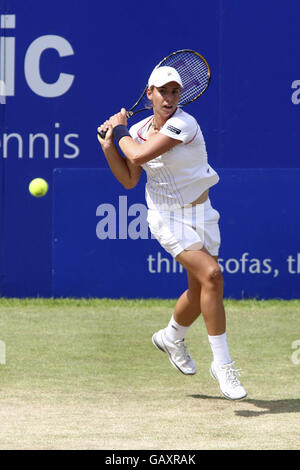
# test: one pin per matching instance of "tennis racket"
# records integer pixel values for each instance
(195, 75)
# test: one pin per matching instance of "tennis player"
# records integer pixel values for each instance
(170, 147)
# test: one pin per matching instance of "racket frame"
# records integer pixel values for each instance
(131, 111)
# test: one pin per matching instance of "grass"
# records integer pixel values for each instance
(83, 374)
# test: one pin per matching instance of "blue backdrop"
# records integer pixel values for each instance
(102, 245)
(66, 66)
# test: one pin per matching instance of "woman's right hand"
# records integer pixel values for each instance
(108, 139)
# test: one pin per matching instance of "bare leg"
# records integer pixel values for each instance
(187, 308)
(205, 269)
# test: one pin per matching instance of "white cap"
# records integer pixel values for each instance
(162, 75)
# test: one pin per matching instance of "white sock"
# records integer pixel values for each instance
(220, 349)
(174, 331)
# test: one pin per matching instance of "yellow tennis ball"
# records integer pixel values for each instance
(38, 187)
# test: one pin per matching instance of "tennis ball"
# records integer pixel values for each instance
(38, 187)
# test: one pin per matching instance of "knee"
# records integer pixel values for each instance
(215, 274)
(214, 277)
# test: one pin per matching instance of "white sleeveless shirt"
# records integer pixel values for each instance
(177, 177)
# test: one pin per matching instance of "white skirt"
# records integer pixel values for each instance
(187, 228)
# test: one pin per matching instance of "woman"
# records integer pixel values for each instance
(170, 147)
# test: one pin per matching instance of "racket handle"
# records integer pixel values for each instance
(102, 134)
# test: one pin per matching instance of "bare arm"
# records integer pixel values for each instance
(137, 153)
(155, 145)
(125, 172)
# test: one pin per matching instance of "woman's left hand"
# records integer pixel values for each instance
(119, 118)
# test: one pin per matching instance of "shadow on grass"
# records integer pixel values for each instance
(291, 405)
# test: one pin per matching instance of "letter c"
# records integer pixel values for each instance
(32, 66)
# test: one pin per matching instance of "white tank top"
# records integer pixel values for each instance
(177, 177)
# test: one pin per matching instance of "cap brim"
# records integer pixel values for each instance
(164, 82)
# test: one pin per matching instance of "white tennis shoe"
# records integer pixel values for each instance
(177, 352)
(229, 383)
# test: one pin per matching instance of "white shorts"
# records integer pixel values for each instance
(186, 228)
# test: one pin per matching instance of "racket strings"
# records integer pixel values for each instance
(194, 73)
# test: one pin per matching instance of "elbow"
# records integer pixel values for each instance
(137, 159)
(129, 185)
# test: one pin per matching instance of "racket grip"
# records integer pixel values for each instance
(102, 134)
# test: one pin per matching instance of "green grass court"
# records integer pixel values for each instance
(83, 374)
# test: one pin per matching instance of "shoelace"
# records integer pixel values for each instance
(182, 345)
(232, 375)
